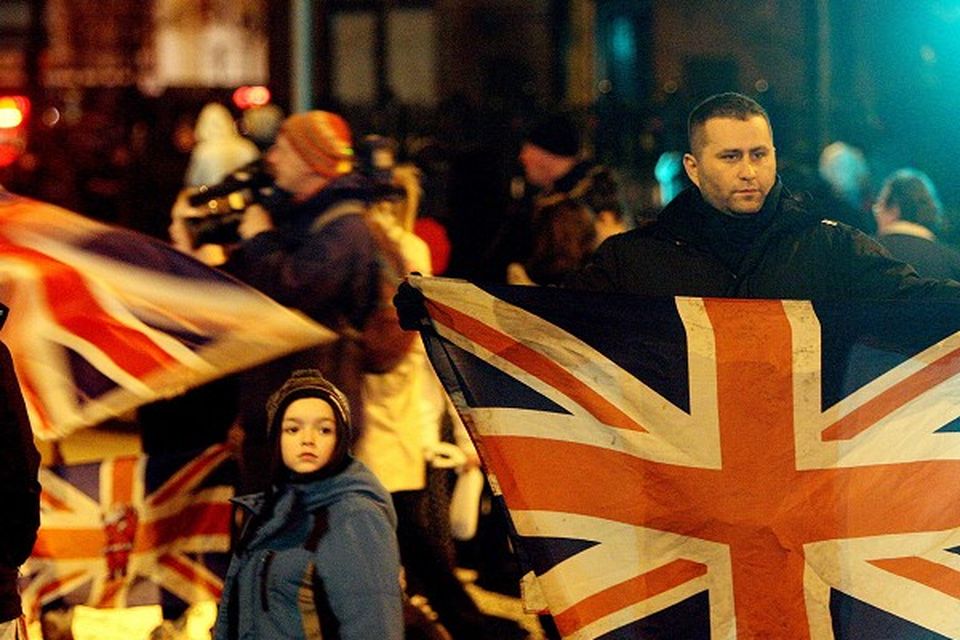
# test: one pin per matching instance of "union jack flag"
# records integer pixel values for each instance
(132, 530)
(103, 320)
(705, 468)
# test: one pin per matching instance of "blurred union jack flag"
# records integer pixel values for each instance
(132, 530)
(704, 468)
(103, 320)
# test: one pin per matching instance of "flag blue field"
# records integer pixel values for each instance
(705, 468)
(103, 320)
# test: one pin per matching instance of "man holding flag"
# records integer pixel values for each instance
(737, 233)
(744, 468)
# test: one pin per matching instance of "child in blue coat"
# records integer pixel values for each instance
(317, 554)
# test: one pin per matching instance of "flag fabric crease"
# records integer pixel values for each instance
(706, 468)
(103, 320)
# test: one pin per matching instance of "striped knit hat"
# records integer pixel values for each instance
(322, 139)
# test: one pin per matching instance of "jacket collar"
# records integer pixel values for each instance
(683, 217)
(907, 228)
(685, 220)
(349, 187)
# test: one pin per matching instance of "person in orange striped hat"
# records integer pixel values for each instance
(312, 149)
(311, 251)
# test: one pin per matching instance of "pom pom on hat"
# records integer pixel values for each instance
(322, 139)
(557, 134)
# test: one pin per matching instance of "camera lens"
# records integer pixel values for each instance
(214, 229)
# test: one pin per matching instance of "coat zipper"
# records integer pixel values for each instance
(264, 574)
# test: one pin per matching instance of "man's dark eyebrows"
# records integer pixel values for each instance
(754, 149)
(760, 147)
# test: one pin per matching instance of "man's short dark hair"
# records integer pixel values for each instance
(913, 191)
(556, 133)
(721, 105)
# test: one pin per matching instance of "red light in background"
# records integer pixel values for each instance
(251, 96)
(14, 111)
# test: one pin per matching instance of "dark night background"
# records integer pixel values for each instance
(879, 74)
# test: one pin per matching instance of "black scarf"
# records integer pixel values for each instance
(730, 236)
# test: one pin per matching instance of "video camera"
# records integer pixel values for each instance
(252, 184)
(226, 201)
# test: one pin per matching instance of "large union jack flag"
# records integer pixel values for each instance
(704, 468)
(132, 530)
(103, 320)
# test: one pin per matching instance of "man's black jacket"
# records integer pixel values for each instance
(798, 255)
(19, 487)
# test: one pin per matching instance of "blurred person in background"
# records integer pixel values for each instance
(311, 251)
(909, 216)
(219, 147)
(554, 167)
(218, 150)
(564, 234)
(845, 170)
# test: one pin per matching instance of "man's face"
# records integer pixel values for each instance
(736, 164)
(883, 213)
(289, 170)
(538, 165)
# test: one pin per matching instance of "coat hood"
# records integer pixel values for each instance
(215, 123)
(355, 480)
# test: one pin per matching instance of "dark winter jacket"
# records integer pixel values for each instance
(919, 248)
(785, 252)
(587, 183)
(20, 493)
(328, 271)
(324, 565)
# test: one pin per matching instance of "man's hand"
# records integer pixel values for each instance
(180, 238)
(411, 308)
(256, 220)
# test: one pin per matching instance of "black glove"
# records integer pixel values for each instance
(411, 308)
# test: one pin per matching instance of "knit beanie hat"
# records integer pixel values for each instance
(307, 383)
(557, 134)
(322, 139)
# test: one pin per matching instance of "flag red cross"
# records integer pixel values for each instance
(104, 320)
(759, 503)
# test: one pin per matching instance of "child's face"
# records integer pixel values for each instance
(308, 435)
